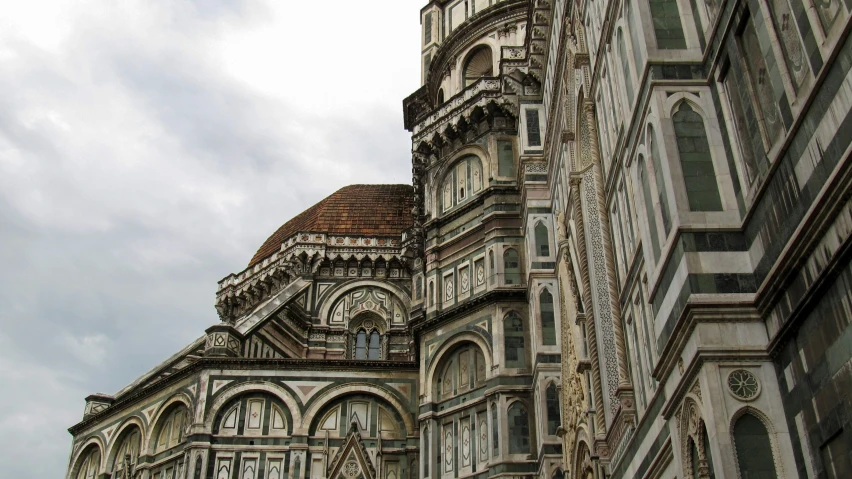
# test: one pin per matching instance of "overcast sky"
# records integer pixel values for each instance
(147, 148)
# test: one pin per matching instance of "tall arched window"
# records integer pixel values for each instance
(89, 464)
(361, 345)
(479, 64)
(548, 322)
(431, 293)
(492, 268)
(418, 287)
(649, 205)
(754, 451)
(519, 429)
(511, 267)
(625, 66)
(542, 244)
(440, 97)
(513, 340)
(171, 440)
(551, 399)
(375, 347)
(699, 176)
(128, 444)
(662, 198)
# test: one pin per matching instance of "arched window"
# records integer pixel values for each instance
(89, 464)
(513, 340)
(479, 64)
(754, 451)
(431, 293)
(462, 181)
(171, 428)
(548, 322)
(418, 287)
(649, 205)
(519, 429)
(511, 267)
(361, 345)
(251, 414)
(171, 439)
(699, 176)
(440, 97)
(658, 179)
(625, 66)
(542, 245)
(461, 370)
(129, 444)
(551, 399)
(375, 348)
(491, 267)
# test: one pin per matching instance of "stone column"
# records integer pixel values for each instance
(588, 309)
(623, 375)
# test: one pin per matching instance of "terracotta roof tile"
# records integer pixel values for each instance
(356, 210)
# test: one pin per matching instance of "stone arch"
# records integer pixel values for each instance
(448, 345)
(673, 102)
(332, 297)
(334, 392)
(150, 440)
(82, 453)
(253, 386)
(125, 425)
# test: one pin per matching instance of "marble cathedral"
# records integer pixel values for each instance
(625, 253)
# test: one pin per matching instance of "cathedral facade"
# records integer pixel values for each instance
(625, 252)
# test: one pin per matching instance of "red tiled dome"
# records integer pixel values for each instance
(356, 210)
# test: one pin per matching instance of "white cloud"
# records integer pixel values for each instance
(147, 149)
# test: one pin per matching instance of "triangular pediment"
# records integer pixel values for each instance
(352, 460)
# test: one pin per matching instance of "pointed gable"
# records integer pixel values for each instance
(352, 460)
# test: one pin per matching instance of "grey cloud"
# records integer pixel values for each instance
(134, 174)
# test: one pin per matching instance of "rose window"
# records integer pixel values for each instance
(743, 384)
